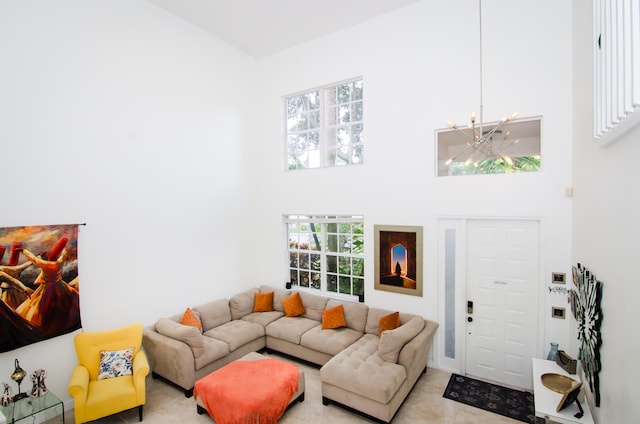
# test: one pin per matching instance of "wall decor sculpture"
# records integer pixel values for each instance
(39, 293)
(398, 259)
(585, 302)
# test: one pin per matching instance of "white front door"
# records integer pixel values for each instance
(502, 292)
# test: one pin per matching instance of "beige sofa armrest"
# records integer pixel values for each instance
(415, 354)
(169, 358)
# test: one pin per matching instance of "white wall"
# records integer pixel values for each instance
(420, 68)
(117, 114)
(606, 231)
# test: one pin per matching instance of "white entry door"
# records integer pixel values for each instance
(502, 292)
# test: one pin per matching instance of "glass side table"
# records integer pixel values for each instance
(49, 405)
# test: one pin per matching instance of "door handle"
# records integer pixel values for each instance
(469, 307)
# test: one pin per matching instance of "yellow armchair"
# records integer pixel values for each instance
(95, 398)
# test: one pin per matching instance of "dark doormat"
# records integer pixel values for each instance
(511, 403)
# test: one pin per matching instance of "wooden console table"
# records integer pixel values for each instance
(546, 400)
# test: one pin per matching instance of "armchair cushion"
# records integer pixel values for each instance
(115, 363)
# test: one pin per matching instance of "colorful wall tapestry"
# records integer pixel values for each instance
(38, 284)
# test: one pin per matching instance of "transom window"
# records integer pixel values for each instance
(326, 253)
(324, 126)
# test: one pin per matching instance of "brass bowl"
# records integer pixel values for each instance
(557, 382)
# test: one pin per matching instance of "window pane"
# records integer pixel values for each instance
(358, 286)
(344, 265)
(344, 285)
(315, 262)
(304, 279)
(332, 263)
(293, 276)
(358, 266)
(514, 146)
(332, 283)
(332, 243)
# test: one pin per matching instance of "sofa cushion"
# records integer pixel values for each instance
(290, 329)
(236, 333)
(333, 318)
(390, 322)
(355, 314)
(278, 296)
(213, 350)
(263, 318)
(213, 314)
(392, 341)
(293, 306)
(184, 333)
(359, 370)
(263, 302)
(242, 303)
(331, 341)
(190, 318)
(313, 304)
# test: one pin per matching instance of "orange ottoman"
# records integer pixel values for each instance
(254, 388)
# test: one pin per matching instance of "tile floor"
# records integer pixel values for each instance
(425, 404)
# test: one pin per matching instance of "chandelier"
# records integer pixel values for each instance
(481, 137)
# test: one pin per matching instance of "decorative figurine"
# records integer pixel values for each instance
(17, 376)
(6, 395)
(37, 378)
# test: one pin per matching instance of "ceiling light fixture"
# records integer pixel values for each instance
(480, 144)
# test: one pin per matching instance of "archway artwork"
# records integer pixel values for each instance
(398, 259)
(39, 293)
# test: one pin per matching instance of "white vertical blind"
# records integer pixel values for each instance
(617, 68)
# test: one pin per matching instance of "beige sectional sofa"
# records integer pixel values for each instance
(360, 368)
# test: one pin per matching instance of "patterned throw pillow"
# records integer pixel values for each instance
(389, 322)
(333, 318)
(115, 363)
(293, 305)
(263, 302)
(190, 318)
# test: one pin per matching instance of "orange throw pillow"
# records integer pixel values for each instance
(263, 302)
(189, 318)
(389, 322)
(293, 305)
(333, 318)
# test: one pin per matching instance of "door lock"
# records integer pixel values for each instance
(469, 307)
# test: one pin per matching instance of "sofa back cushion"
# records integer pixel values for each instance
(392, 341)
(278, 296)
(213, 314)
(242, 303)
(185, 333)
(355, 314)
(313, 304)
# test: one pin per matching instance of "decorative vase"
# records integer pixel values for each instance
(37, 378)
(553, 352)
(6, 395)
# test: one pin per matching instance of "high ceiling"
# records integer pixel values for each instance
(263, 27)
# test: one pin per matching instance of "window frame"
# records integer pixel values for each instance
(353, 236)
(326, 126)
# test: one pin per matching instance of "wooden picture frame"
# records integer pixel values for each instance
(398, 259)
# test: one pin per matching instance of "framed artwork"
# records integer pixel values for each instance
(398, 259)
